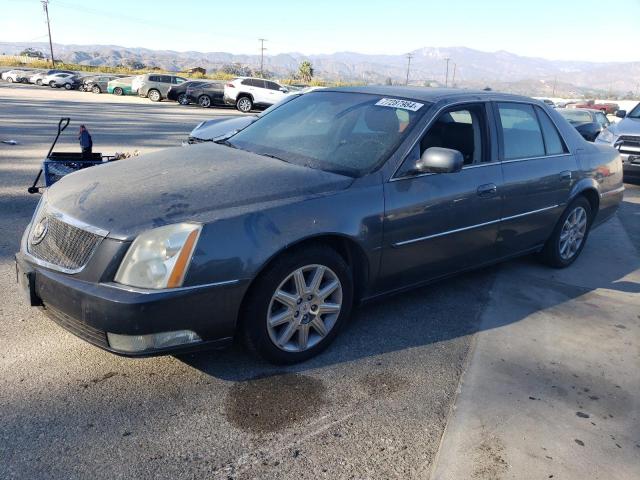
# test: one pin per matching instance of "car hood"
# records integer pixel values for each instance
(626, 126)
(202, 183)
(222, 126)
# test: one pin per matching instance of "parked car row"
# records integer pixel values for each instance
(244, 93)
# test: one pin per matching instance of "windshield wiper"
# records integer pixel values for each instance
(225, 142)
(274, 156)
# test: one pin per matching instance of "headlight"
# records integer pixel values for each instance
(607, 136)
(159, 258)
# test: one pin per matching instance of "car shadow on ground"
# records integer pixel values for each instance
(450, 309)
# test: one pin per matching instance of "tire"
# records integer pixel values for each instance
(39, 82)
(182, 99)
(118, 91)
(52, 84)
(281, 343)
(68, 86)
(9, 79)
(244, 104)
(154, 95)
(96, 89)
(204, 101)
(561, 249)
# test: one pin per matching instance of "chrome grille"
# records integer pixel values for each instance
(62, 245)
(629, 144)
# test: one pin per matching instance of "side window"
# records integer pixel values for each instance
(153, 78)
(272, 85)
(178, 80)
(552, 141)
(165, 79)
(602, 119)
(248, 82)
(462, 129)
(521, 134)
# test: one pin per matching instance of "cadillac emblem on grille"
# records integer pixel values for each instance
(39, 231)
(60, 244)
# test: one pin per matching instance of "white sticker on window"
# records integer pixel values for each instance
(397, 103)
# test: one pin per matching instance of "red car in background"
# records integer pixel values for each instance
(608, 108)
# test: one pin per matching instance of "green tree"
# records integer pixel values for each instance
(305, 71)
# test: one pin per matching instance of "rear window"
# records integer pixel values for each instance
(576, 116)
(552, 141)
(522, 136)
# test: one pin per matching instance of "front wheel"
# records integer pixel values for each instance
(96, 89)
(9, 79)
(570, 235)
(244, 104)
(52, 84)
(68, 86)
(154, 95)
(117, 91)
(182, 99)
(39, 82)
(204, 101)
(297, 306)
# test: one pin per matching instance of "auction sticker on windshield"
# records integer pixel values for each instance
(397, 103)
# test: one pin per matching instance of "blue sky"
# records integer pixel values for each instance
(555, 29)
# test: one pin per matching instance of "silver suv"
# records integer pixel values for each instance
(155, 86)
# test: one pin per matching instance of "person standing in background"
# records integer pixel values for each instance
(86, 142)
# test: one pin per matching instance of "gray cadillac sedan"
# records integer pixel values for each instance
(335, 198)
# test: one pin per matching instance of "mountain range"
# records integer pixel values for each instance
(473, 68)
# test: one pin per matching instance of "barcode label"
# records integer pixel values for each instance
(397, 103)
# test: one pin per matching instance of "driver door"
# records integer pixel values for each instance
(438, 224)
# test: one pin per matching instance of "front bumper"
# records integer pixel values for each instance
(91, 310)
(631, 166)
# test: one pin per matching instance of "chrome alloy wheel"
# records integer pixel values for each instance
(572, 233)
(304, 308)
(244, 105)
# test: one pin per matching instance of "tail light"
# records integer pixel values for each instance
(230, 85)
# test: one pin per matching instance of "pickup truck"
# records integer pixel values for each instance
(608, 108)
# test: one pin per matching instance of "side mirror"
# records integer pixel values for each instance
(440, 160)
(621, 113)
(283, 89)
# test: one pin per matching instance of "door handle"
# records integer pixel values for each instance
(487, 190)
(565, 176)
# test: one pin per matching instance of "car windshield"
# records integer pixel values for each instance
(341, 132)
(576, 116)
(635, 113)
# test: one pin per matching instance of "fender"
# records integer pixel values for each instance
(583, 184)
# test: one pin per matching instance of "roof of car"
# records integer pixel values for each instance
(590, 110)
(428, 94)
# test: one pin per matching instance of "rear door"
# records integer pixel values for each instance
(260, 92)
(538, 174)
(437, 224)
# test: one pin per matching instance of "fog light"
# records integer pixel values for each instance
(154, 341)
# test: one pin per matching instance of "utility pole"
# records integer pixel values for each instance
(453, 80)
(45, 7)
(409, 57)
(555, 84)
(446, 78)
(262, 49)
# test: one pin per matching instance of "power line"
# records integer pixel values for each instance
(262, 49)
(45, 7)
(409, 57)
